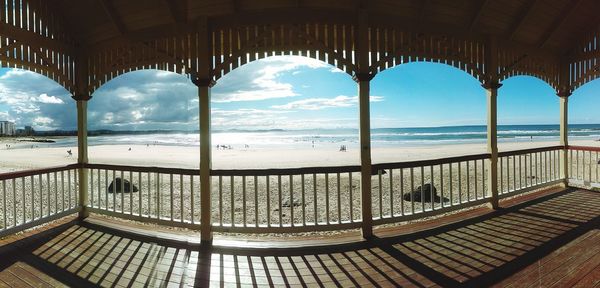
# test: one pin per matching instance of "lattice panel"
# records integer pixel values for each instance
(511, 63)
(585, 61)
(236, 46)
(390, 47)
(34, 38)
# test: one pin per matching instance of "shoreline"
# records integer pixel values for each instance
(252, 158)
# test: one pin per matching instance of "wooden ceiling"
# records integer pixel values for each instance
(550, 25)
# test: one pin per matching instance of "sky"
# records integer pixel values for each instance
(290, 92)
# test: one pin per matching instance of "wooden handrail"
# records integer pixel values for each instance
(432, 162)
(585, 148)
(527, 151)
(285, 171)
(33, 172)
(149, 169)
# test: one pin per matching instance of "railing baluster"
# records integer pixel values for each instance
(514, 157)
(380, 194)
(442, 185)
(483, 195)
(33, 197)
(122, 193)
(220, 200)
(590, 168)
(468, 182)
(172, 195)
(244, 200)
(131, 192)
(14, 186)
(292, 200)
(149, 194)
(48, 188)
(140, 196)
(4, 211)
(432, 176)
(391, 177)
(280, 200)
(339, 198)
(451, 184)
(501, 162)
(181, 202)
(412, 188)
(23, 203)
(401, 192)
(459, 183)
(302, 185)
(159, 201)
(268, 201)
(475, 182)
(232, 200)
(422, 192)
(114, 191)
(327, 198)
(314, 177)
(350, 197)
(256, 201)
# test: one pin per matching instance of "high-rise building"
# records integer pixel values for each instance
(7, 128)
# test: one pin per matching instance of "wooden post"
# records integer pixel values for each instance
(82, 153)
(204, 86)
(202, 78)
(363, 78)
(491, 90)
(491, 86)
(564, 136)
(365, 152)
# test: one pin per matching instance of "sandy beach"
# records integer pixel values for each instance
(188, 157)
(343, 191)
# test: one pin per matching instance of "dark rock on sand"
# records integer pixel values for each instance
(416, 194)
(126, 186)
(375, 172)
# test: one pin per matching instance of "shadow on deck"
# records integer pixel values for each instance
(552, 240)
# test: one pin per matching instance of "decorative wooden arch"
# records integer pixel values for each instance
(584, 63)
(34, 38)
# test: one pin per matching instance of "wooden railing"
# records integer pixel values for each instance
(167, 196)
(286, 200)
(583, 166)
(402, 191)
(524, 170)
(283, 200)
(33, 197)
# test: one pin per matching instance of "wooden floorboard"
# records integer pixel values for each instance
(550, 241)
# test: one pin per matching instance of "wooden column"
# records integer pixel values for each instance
(564, 136)
(363, 77)
(82, 153)
(491, 91)
(204, 86)
(363, 81)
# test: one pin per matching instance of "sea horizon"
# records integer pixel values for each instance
(318, 137)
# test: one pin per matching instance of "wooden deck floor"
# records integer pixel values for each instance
(553, 241)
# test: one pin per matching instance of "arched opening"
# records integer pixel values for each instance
(147, 118)
(528, 114)
(428, 107)
(284, 111)
(37, 122)
(584, 119)
(431, 111)
(528, 117)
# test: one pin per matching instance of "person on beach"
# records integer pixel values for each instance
(69, 153)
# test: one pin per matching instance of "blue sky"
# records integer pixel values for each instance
(290, 92)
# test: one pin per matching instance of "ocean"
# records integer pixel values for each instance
(380, 137)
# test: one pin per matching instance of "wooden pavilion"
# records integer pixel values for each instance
(85, 43)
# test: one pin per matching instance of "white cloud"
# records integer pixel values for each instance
(31, 99)
(324, 103)
(260, 80)
(44, 98)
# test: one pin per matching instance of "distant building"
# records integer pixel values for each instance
(7, 128)
(29, 131)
